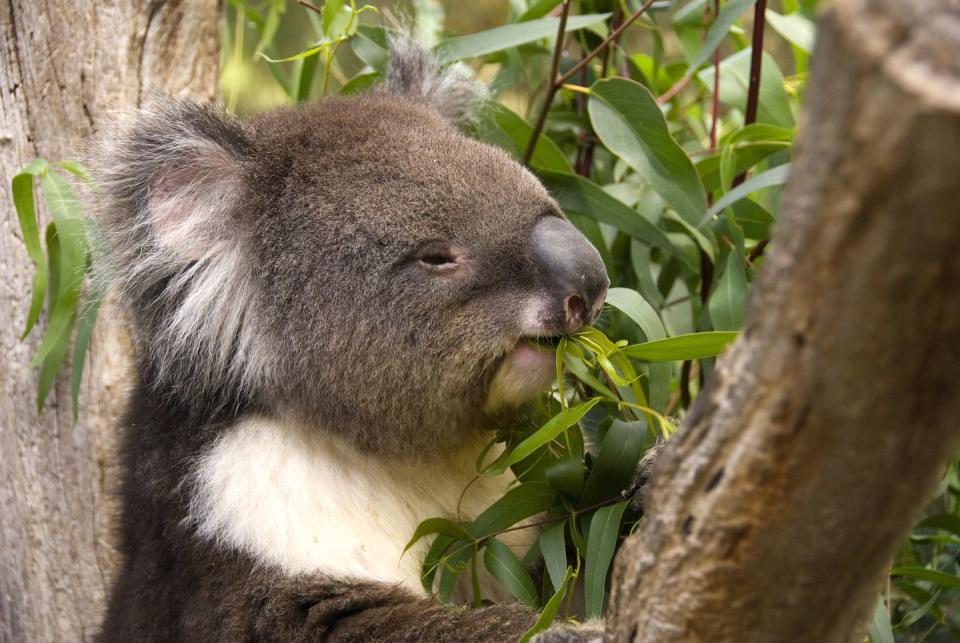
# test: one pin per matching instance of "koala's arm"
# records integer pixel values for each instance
(340, 612)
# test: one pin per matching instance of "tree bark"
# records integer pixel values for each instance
(63, 67)
(776, 511)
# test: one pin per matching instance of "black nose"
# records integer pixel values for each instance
(573, 272)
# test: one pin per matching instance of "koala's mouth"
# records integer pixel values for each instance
(525, 371)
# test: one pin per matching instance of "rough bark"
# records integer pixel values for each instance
(778, 508)
(63, 67)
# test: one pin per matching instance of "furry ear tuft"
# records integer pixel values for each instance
(173, 176)
(414, 73)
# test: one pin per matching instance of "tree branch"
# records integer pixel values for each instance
(775, 511)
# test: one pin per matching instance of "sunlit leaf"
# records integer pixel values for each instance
(507, 36)
(682, 347)
(626, 117)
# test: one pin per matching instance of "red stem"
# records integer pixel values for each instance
(756, 60)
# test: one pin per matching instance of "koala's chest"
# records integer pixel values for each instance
(308, 503)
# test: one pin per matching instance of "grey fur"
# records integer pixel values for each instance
(415, 74)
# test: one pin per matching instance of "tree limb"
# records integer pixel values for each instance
(776, 511)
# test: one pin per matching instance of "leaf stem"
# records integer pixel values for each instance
(756, 61)
(556, 83)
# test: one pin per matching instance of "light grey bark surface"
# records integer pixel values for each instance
(779, 506)
(64, 66)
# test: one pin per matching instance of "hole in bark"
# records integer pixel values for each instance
(715, 480)
(800, 340)
(633, 633)
(687, 525)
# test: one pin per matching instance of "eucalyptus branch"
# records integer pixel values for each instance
(551, 87)
(557, 83)
(756, 61)
(606, 42)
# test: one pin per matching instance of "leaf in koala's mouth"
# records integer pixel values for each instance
(549, 343)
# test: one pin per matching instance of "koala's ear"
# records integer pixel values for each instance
(174, 176)
(414, 73)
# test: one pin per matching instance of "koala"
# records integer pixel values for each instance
(333, 305)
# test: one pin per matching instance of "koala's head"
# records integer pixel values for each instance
(358, 264)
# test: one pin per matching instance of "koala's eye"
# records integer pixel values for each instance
(436, 259)
(442, 260)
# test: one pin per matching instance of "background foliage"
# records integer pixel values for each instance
(664, 129)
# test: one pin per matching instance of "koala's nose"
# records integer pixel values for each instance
(574, 272)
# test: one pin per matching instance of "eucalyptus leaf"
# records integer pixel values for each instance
(504, 565)
(601, 542)
(521, 502)
(682, 347)
(508, 36)
(626, 117)
(553, 546)
(729, 298)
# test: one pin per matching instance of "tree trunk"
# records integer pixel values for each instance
(63, 67)
(777, 509)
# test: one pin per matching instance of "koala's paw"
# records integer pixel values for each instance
(589, 632)
(636, 493)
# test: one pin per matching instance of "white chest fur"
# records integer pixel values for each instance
(309, 503)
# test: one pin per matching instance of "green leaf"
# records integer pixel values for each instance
(550, 610)
(880, 630)
(718, 31)
(915, 615)
(81, 343)
(553, 428)
(51, 363)
(774, 103)
(270, 24)
(770, 178)
(616, 463)
(306, 53)
(431, 562)
(583, 196)
(436, 526)
(728, 300)
(50, 367)
(634, 306)
(506, 568)
(553, 546)
(370, 46)
(941, 579)
(626, 117)
(682, 347)
(601, 542)
(76, 169)
(944, 521)
(22, 188)
(361, 82)
(523, 501)
(451, 568)
(330, 19)
(304, 73)
(566, 476)
(794, 28)
(71, 243)
(506, 129)
(508, 36)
